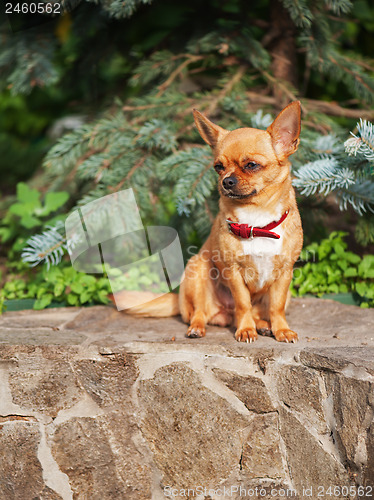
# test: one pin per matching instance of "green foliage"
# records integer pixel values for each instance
(58, 284)
(29, 211)
(22, 143)
(27, 62)
(29, 207)
(2, 306)
(364, 231)
(142, 277)
(351, 178)
(63, 48)
(32, 211)
(109, 155)
(18, 116)
(120, 9)
(48, 247)
(330, 268)
(63, 284)
(169, 58)
(362, 145)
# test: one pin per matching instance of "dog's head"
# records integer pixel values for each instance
(250, 161)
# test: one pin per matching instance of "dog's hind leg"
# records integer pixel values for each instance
(222, 318)
(197, 300)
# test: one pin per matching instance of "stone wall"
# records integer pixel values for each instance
(145, 420)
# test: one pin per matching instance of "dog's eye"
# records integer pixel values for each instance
(219, 167)
(252, 165)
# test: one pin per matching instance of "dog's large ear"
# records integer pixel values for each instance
(285, 130)
(209, 131)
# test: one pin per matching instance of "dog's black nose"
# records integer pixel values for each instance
(229, 182)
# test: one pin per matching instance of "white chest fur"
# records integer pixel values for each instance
(262, 250)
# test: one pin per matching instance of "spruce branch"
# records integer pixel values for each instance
(160, 64)
(327, 144)
(322, 176)
(126, 179)
(352, 184)
(121, 9)
(364, 232)
(259, 100)
(360, 195)
(210, 104)
(227, 89)
(363, 144)
(189, 60)
(26, 61)
(339, 6)
(261, 120)
(299, 12)
(193, 176)
(157, 134)
(47, 247)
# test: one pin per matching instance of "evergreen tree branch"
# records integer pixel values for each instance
(323, 176)
(364, 143)
(360, 195)
(328, 108)
(190, 59)
(48, 247)
(227, 89)
(126, 179)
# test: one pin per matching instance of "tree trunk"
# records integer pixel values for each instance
(283, 52)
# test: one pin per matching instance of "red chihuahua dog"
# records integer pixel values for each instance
(244, 269)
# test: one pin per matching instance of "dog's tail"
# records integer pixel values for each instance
(146, 303)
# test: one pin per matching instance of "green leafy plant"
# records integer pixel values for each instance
(64, 284)
(221, 57)
(230, 65)
(32, 211)
(138, 277)
(330, 268)
(29, 210)
(60, 285)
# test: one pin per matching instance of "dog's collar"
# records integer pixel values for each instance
(245, 231)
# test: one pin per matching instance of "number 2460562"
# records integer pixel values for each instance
(33, 8)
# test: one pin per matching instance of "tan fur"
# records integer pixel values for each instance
(239, 292)
(155, 306)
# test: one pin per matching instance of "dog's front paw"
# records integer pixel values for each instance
(286, 336)
(195, 332)
(246, 335)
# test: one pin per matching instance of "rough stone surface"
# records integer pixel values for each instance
(336, 360)
(42, 381)
(299, 389)
(19, 441)
(310, 464)
(109, 380)
(48, 494)
(96, 404)
(133, 463)
(353, 414)
(262, 455)
(319, 323)
(40, 336)
(250, 390)
(194, 434)
(369, 469)
(82, 451)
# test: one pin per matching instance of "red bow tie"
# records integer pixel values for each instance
(245, 231)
